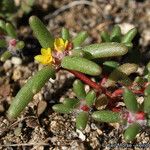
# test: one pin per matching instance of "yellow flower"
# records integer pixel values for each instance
(46, 56)
(60, 44)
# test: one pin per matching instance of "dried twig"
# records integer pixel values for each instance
(25, 144)
(70, 5)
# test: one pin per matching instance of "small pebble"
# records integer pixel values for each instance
(87, 129)
(17, 74)
(16, 61)
(125, 27)
(81, 135)
(41, 107)
(2, 109)
(145, 37)
(7, 65)
(107, 9)
(51, 80)
(32, 123)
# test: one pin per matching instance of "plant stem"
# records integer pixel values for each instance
(85, 79)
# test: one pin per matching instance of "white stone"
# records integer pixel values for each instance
(125, 27)
(81, 135)
(51, 80)
(16, 61)
(7, 65)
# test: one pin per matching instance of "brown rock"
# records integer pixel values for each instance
(41, 107)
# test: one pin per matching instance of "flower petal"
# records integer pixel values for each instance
(43, 59)
(46, 51)
(66, 43)
(59, 44)
(39, 58)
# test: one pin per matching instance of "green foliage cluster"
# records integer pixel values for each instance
(9, 43)
(89, 63)
(9, 10)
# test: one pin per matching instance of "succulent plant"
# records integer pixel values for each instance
(88, 64)
(11, 9)
(81, 105)
(9, 42)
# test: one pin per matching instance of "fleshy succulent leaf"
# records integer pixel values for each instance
(27, 92)
(82, 65)
(103, 50)
(79, 39)
(71, 102)
(42, 34)
(90, 98)
(105, 36)
(131, 132)
(65, 34)
(78, 88)
(81, 120)
(106, 116)
(130, 100)
(147, 104)
(61, 108)
(11, 30)
(129, 36)
(116, 34)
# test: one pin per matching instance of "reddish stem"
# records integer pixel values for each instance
(85, 79)
(116, 109)
(98, 87)
(116, 93)
(91, 83)
(119, 92)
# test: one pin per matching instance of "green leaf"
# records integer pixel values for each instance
(3, 25)
(148, 122)
(139, 80)
(81, 120)
(30, 2)
(61, 108)
(42, 34)
(78, 88)
(148, 77)
(105, 36)
(8, 6)
(129, 36)
(109, 66)
(3, 43)
(6, 55)
(20, 45)
(25, 95)
(116, 34)
(147, 91)
(25, 7)
(147, 69)
(103, 50)
(90, 98)
(130, 100)
(81, 64)
(121, 74)
(128, 68)
(11, 30)
(129, 45)
(101, 100)
(131, 132)
(79, 39)
(106, 116)
(65, 34)
(80, 53)
(147, 104)
(71, 102)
